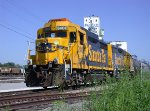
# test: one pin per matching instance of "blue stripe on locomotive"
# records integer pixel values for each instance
(97, 46)
(119, 53)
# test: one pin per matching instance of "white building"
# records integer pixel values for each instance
(92, 23)
(120, 44)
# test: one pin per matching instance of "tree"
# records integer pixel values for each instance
(9, 64)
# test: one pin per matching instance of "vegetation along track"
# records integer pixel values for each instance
(28, 99)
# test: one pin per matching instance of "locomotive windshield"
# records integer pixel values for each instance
(43, 47)
(53, 34)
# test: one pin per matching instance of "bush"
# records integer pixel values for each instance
(124, 95)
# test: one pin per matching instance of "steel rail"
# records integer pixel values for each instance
(27, 101)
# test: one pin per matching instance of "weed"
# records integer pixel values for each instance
(125, 95)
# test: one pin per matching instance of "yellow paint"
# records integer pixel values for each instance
(109, 46)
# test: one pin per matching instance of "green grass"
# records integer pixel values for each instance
(124, 95)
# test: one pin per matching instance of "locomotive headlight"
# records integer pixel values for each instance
(55, 61)
(56, 42)
(38, 43)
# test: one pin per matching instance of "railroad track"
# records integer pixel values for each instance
(26, 100)
(32, 91)
(40, 97)
(25, 92)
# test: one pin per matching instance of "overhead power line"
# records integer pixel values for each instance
(20, 17)
(17, 28)
(16, 31)
(25, 10)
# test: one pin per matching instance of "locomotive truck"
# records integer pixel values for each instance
(68, 54)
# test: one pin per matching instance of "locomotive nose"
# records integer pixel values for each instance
(42, 58)
(46, 54)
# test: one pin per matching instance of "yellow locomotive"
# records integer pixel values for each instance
(67, 54)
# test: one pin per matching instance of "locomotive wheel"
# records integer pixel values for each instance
(74, 85)
(88, 79)
(48, 81)
(45, 88)
(66, 87)
(31, 79)
(27, 80)
(58, 76)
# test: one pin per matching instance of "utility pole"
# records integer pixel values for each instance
(141, 71)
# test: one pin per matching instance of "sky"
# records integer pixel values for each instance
(122, 20)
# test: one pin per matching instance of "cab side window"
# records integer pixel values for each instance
(81, 39)
(72, 37)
